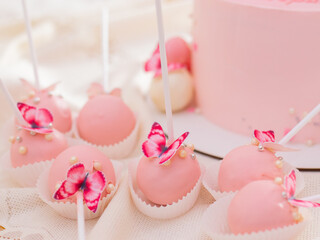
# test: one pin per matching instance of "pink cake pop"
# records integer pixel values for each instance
(265, 205)
(105, 119)
(37, 141)
(55, 104)
(180, 79)
(166, 173)
(251, 162)
(81, 160)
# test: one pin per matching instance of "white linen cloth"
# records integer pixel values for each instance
(68, 40)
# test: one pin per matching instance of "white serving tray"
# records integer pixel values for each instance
(213, 140)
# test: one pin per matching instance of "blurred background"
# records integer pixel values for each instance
(67, 37)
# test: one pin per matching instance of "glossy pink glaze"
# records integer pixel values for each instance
(38, 148)
(86, 155)
(62, 119)
(178, 51)
(246, 164)
(259, 206)
(105, 120)
(245, 77)
(167, 184)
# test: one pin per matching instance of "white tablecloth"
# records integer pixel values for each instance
(68, 40)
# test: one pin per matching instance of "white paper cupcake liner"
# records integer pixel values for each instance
(116, 151)
(156, 211)
(68, 209)
(210, 179)
(26, 175)
(215, 224)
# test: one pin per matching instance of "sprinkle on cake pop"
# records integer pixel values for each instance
(264, 205)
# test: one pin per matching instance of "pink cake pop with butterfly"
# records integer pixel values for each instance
(264, 205)
(166, 181)
(166, 173)
(45, 98)
(180, 79)
(37, 141)
(80, 168)
(93, 163)
(248, 163)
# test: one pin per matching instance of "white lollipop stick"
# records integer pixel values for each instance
(80, 210)
(164, 69)
(12, 103)
(105, 48)
(300, 125)
(314, 198)
(31, 45)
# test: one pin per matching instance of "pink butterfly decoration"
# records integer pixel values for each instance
(266, 139)
(290, 186)
(154, 64)
(156, 146)
(40, 119)
(92, 186)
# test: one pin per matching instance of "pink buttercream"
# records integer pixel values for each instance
(38, 148)
(62, 119)
(167, 184)
(245, 77)
(84, 154)
(246, 164)
(105, 120)
(259, 206)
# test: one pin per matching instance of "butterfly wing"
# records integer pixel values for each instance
(290, 184)
(154, 63)
(39, 119)
(264, 136)
(28, 112)
(51, 87)
(172, 149)
(303, 203)
(156, 142)
(95, 184)
(75, 177)
(43, 117)
(27, 85)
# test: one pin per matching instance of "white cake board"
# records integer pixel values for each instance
(211, 139)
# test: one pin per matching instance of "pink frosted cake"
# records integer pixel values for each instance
(256, 64)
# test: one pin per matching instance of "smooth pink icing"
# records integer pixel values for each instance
(62, 119)
(167, 184)
(254, 61)
(259, 206)
(246, 164)
(178, 51)
(86, 155)
(105, 120)
(38, 148)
